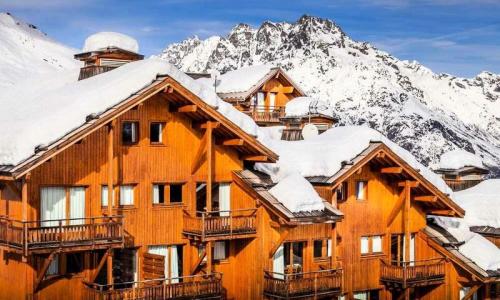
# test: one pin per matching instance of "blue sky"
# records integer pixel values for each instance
(460, 37)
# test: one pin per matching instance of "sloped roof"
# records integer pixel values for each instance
(481, 203)
(260, 184)
(454, 247)
(241, 83)
(54, 108)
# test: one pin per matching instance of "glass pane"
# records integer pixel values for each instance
(126, 195)
(364, 245)
(318, 248)
(104, 195)
(175, 193)
(155, 133)
(377, 244)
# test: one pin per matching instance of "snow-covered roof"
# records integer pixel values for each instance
(323, 155)
(473, 246)
(42, 111)
(240, 80)
(458, 158)
(297, 194)
(103, 40)
(481, 204)
(302, 106)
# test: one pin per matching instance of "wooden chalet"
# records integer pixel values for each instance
(259, 91)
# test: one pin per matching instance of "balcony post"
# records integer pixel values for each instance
(210, 166)
(406, 224)
(333, 258)
(24, 196)
(110, 137)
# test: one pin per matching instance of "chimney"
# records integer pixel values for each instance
(105, 51)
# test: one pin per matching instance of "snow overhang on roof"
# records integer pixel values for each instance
(104, 97)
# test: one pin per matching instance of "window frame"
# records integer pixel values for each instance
(365, 189)
(181, 184)
(165, 199)
(370, 238)
(132, 143)
(162, 133)
(227, 251)
(324, 248)
(343, 188)
(134, 186)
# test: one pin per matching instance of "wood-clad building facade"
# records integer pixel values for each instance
(157, 198)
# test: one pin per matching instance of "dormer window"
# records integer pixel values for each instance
(130, 133)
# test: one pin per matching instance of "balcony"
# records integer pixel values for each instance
(220, 225)
(325, 283)
(266, 114)
(38, 237)
(411, 274)
(89, 71)
(189, 287)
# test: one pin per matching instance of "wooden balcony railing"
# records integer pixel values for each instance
(303, 285)
(266, 114)
(414, 273)
(459, 185)
(220, 225)
(33, 237)
(189, 287)
(89, 71)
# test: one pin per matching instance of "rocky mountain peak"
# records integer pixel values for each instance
(426, 113)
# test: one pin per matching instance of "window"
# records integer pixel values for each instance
(464, 291)
(53, 268)
(173, 260)
(127, 195)
(342, 192)
(158, 194)
(322, 248)
(130, 133)
(361, 187)
(176, 193)
(377, 244)
(371, 244)
(221, 250)
(156, 133)
(272, 100)
(368, 295)
(364, 245)
(62, 203)
(104, 195)
(74, 263)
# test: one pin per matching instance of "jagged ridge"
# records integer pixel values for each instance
(424, 112)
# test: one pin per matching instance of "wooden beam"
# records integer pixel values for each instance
(210, 171)
(109, 265)
(397, 208)
(334, 246)
(428, 198)
(24, 196)
(43, 271)
(104, 258)
(261, 158)
(411, 184)
(391, 170)
(287, 89)
(471, 292)
(442, 212)
(283, 236)
(168, 90)
(6, 178)
(200, 155)
(212, 124)
(110, 142)
(233, 142)
(186, 108)
(198, 262)
(406, 222)
(274, 224)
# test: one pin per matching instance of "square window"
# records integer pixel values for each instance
(156, 133)
(127, 195)
(104, 195)
(176, 193)
(361, 187)
(221, 250)
(377, 244)
(130, 132)
(158, 194)
(364, 245)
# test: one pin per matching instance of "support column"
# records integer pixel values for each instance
(24, 196)
(110, 142)
(334, 246)
(406, 224)
(210, 166)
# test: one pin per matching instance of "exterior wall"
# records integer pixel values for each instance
(85, 165)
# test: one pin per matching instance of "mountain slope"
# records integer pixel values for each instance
(424, 112)
(26, 51)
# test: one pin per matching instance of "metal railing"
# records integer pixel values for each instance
(43, 236)
(220, 224)
(187, 287)
(412, 272)
(300, 285)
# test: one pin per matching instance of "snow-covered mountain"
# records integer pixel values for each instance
(424, 112)
(26, 51)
